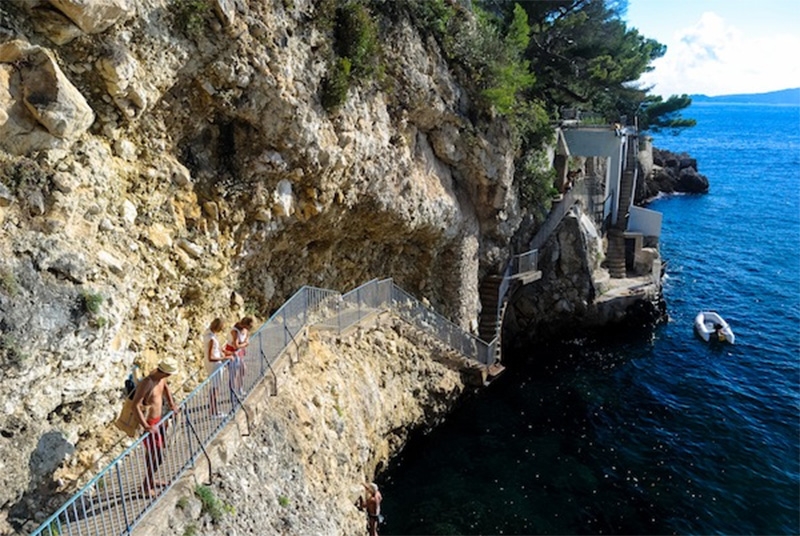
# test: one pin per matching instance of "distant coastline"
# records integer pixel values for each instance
(789, 97)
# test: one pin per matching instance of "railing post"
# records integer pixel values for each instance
(285, 340)
(238, 401)
(305, 309)
(124, 504)
(200, 442)
(269, 365)
(261, 353)
(339, 313)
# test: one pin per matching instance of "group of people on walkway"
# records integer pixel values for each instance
(152, 391)
(231, 354)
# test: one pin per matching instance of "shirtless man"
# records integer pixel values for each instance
(148, 401)
(372, 505)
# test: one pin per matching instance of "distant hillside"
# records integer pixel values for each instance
(784, 96)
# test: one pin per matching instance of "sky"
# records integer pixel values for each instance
(720, 47)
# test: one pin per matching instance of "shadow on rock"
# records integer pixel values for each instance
(41, 497)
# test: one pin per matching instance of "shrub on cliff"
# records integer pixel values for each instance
(336, 84)
(535, 177)
(356, 38)
(356, 49)
(190, 15)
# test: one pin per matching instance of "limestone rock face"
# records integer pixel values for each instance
(40, 107)
(93, 16)
(564, 295)
(148, 172)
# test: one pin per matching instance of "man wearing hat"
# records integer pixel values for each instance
(148, 401)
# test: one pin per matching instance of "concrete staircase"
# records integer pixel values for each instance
(615, 257)
(489, 322)
(596, 200)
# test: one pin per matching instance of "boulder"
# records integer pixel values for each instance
(687, 162)
(55, 26)
(93, 16)
(664, 180)
(691, 181)
(41, 107)
(225, 11)
(120, 70)
(673, 172)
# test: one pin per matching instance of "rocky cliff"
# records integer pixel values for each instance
(158, 156)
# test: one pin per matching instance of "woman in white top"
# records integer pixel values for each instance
(215, 359)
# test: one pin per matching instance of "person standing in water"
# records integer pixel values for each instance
(372, 506)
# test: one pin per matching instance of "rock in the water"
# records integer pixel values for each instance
(691, 181)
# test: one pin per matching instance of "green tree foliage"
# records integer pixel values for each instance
(485, 49)
(584, 55)
(356, 48)
(536, 176)
(510, 73)
(658, 114)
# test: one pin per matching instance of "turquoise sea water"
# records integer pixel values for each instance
(650, 436)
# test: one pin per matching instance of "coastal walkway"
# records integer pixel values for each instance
(115, 501)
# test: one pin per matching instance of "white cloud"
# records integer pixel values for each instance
(715, 58)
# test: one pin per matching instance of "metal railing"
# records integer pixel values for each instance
(413, 311)
(557, 214)
(525, 262)
(117, 498)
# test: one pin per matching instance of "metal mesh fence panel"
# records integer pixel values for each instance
(412, 310)
(323, 306)
(527, 262)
